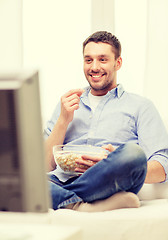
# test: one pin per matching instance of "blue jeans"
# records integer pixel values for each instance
(123, 170)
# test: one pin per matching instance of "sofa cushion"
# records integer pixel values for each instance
(150, 221)
(154, 191)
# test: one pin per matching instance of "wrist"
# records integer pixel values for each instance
(63, 122)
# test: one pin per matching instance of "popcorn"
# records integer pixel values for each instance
(67, 163)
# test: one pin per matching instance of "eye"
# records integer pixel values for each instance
(88, 60)
(103, 60)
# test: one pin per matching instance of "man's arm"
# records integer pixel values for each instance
(69, 103)
(153, 138)
(56, 138)
(155, 172)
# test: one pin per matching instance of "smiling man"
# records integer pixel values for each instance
(100, 67)
(103, 114)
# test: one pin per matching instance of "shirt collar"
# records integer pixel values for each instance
(118, 91)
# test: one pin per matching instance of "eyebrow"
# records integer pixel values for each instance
(102, 55)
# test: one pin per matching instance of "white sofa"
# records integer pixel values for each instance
(149, 222)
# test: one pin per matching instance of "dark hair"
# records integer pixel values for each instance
(105, 37)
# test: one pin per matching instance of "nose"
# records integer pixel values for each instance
(95, 66)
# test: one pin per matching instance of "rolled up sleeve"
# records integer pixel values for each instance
(162, 158)
(153, 136)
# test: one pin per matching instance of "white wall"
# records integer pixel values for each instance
(11, 35)
(102, 15)
(53, 33)
(131, 28)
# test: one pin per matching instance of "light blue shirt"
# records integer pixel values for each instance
(120, 117)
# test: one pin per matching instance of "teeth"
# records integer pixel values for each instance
(96, 76)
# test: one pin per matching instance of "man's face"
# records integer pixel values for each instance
(100, 67)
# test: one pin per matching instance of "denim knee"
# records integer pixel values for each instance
(128, 166)
(134, 152)
(129, 155)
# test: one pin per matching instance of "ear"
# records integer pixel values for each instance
(118, 63)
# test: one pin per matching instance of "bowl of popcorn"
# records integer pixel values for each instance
(65, 156)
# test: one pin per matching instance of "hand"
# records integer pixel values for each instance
(87, 161)
(109, 147)
(70, 103)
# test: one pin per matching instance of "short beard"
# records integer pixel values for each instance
(105, 87)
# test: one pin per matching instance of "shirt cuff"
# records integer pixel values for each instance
(46, 133)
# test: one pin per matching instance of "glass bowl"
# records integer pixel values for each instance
(66, 155)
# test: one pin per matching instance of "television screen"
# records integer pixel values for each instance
(23, 180)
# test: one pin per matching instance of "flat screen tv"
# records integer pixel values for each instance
(23, 181)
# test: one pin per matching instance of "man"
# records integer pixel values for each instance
(103, 114)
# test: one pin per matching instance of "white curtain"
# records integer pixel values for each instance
(156, 74)
(142, 27)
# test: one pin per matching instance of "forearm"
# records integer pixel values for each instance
(69, 103)
(56, 138)
(155, 172)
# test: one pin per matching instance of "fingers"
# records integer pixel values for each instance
(69, 103)
(71, 99)
(80, 170)
(83, 165)
(109, 147)
(93, 159)
(87, 161)
(78, 92)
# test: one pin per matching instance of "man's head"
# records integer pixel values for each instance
(105, 37)
(102, 60)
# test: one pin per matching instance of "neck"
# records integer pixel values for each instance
(102, 92)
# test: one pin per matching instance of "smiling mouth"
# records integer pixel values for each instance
(96, 76)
